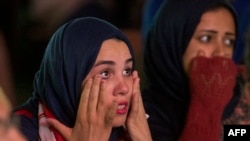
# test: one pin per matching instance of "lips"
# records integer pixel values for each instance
(122, 108)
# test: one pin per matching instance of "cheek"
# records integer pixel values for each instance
(109, 97)
(229, 53)
(109, 89)
(187, 57)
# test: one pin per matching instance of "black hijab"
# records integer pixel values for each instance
(68, 58)
(166, 97)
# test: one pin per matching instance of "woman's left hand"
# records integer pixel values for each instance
(136, 122)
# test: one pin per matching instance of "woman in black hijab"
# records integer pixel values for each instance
(85, 87)
(168, 97)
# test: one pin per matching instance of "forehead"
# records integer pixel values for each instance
(220, 19)
(114, 49)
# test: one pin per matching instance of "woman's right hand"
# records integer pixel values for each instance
(94, 118)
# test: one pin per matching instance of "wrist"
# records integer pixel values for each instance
(201, 123)
(207, 106)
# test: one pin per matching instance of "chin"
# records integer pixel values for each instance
(118, 121)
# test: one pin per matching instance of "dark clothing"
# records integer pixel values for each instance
(243, 10)
(68, 58)
(166, 97)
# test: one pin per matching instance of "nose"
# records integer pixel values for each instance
(121, 86)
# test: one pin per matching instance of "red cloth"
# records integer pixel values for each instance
(49, 114)
(23, 112)
(212, 81)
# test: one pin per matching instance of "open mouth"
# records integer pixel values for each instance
(122, 108)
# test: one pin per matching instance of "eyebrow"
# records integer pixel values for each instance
(212, 31)
(110, 62)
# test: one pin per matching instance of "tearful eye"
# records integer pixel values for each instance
(105, 74)
(205, 38)
(229, 42)
(127, 72)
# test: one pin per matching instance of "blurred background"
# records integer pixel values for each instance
(27, 25)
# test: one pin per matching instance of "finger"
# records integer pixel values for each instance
(135, 97)
(107, 112)
(93, 97)
(136, 85)
(101, 98)
(134, 74)
(137, 93)
(110, 114)
(62, 129)
(83, 104)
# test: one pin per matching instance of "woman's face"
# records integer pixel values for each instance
(114, 64)
(214, 36)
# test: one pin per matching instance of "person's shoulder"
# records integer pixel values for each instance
(28, 123)
(29, 127)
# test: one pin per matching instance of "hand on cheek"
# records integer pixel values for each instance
(136, 123)
(94, 118)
